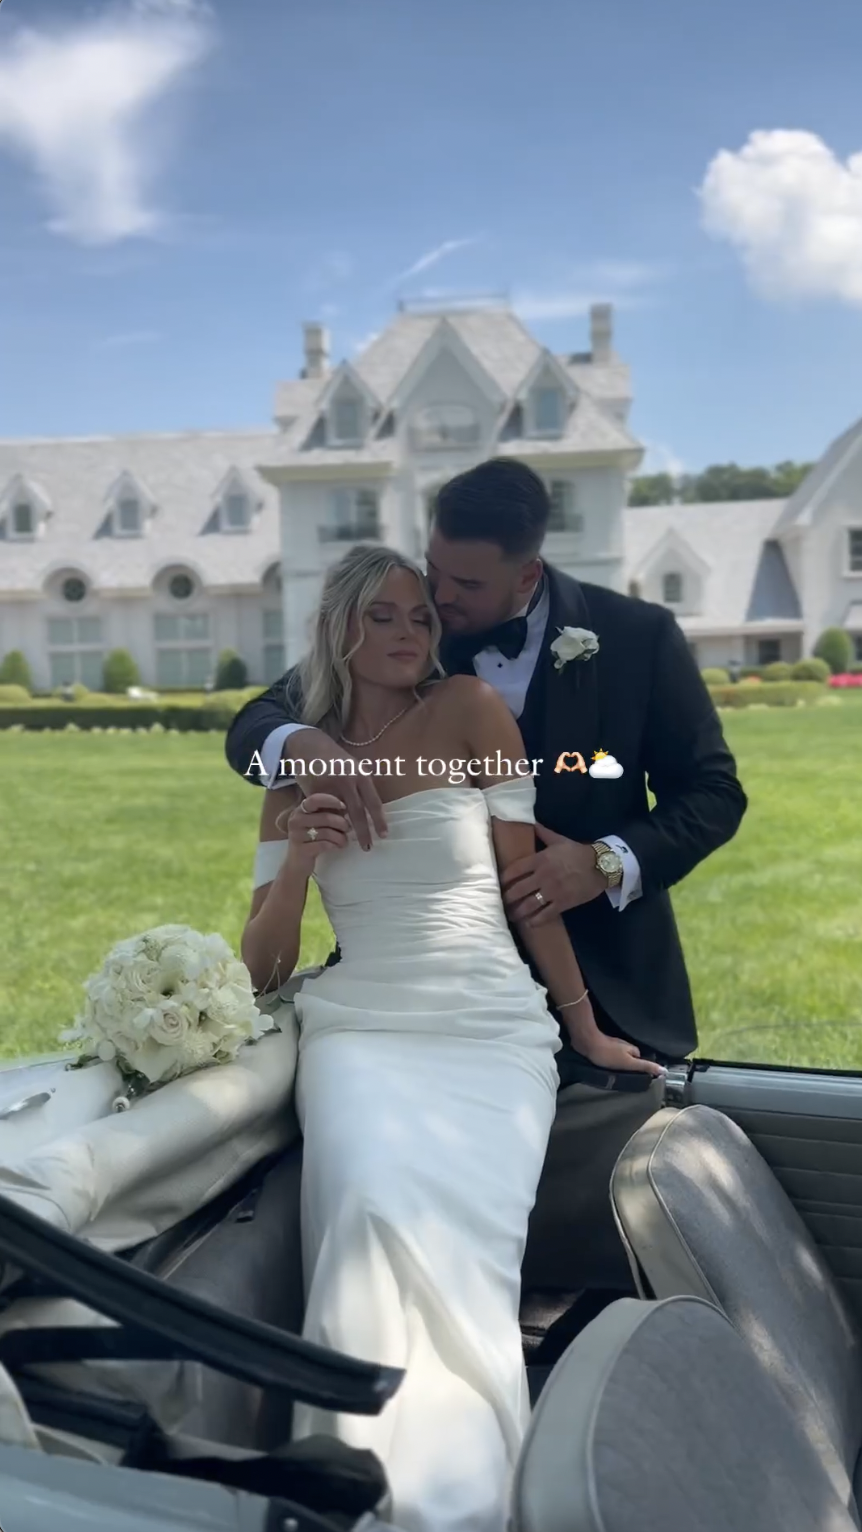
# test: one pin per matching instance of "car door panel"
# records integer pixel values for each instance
(808, 1127)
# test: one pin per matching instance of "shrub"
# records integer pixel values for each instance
(748, 671)
(231, 672)
(836, 648)
(72, 691)
(811, 670)
(769, 694)
(779, 670)
(751, 679)
(10, 693)
(119, 714)
(714, 676)
(119, 671)
(15, 671)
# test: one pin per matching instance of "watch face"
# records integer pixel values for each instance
(609, 862)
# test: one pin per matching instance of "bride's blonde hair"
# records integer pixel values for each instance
(320, 689)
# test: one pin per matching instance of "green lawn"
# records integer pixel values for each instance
(104, 835)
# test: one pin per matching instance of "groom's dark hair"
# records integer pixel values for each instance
(501, 501)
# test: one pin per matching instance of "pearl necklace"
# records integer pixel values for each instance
(360, 744)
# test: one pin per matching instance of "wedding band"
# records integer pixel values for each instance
(540, 897)
(302, 808)
(312, 834)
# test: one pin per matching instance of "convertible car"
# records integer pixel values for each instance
(151, 1315)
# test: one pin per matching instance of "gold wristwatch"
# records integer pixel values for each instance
(609, 863)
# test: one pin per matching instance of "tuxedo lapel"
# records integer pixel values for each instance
(565, 715)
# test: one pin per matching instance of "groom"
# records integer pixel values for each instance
(606, 860)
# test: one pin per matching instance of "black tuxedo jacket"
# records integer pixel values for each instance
(641, 698)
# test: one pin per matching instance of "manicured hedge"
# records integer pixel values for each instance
(207, 710)
(135, 715)
(769, 693)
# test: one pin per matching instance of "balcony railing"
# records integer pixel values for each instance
(359, 532)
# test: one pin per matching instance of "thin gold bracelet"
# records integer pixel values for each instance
(573, 1002)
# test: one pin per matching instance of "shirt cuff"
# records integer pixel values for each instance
(631, 887)
(270, 754)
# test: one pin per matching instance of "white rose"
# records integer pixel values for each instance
(171, 1026)
(574, 644)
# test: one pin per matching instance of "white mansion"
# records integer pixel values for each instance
(177, 547)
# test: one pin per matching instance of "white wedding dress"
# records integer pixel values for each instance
(426, 1091)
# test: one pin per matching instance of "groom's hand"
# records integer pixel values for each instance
(565, 875)
(358, 794)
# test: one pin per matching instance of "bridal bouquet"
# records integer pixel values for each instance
(163, 1004)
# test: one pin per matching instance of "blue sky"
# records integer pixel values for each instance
(181, 186)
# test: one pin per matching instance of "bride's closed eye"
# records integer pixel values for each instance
(424, 618)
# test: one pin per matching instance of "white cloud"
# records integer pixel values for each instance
(433, 257)
(77, 105)
(793, 210)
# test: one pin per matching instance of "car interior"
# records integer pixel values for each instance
(736, 1349)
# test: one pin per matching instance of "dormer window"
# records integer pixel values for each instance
(129, 505)
(346, 419)
(23, 519)
(548, 411)
(24, 509)
(128, 517)
(236, 512)
(235, 503)
(671, 588)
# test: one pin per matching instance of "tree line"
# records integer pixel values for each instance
(721, 481)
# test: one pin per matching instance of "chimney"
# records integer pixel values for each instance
(601, 333)
(316, 351)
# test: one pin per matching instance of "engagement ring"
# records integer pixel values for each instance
(540, 897)
(312, 834)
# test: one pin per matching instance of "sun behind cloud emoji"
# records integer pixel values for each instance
(605, 765)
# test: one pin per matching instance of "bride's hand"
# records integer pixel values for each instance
(320, 812)
(615, 1054)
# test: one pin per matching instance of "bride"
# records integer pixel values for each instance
(426, 1084)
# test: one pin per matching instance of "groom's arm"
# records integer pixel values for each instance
(255, 739)
(690, 770)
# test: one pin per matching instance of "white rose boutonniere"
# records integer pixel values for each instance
(574, 644)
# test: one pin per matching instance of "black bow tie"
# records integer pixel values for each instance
(509, 637)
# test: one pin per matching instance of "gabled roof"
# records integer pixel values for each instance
(673, 540)
(444, 334)
(547, 363)
(182, 472)
(802, 505)
(21, 486)
(345, 372)
(506, 354)
(745, 583)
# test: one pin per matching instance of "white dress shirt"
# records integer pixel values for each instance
(511, 678)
